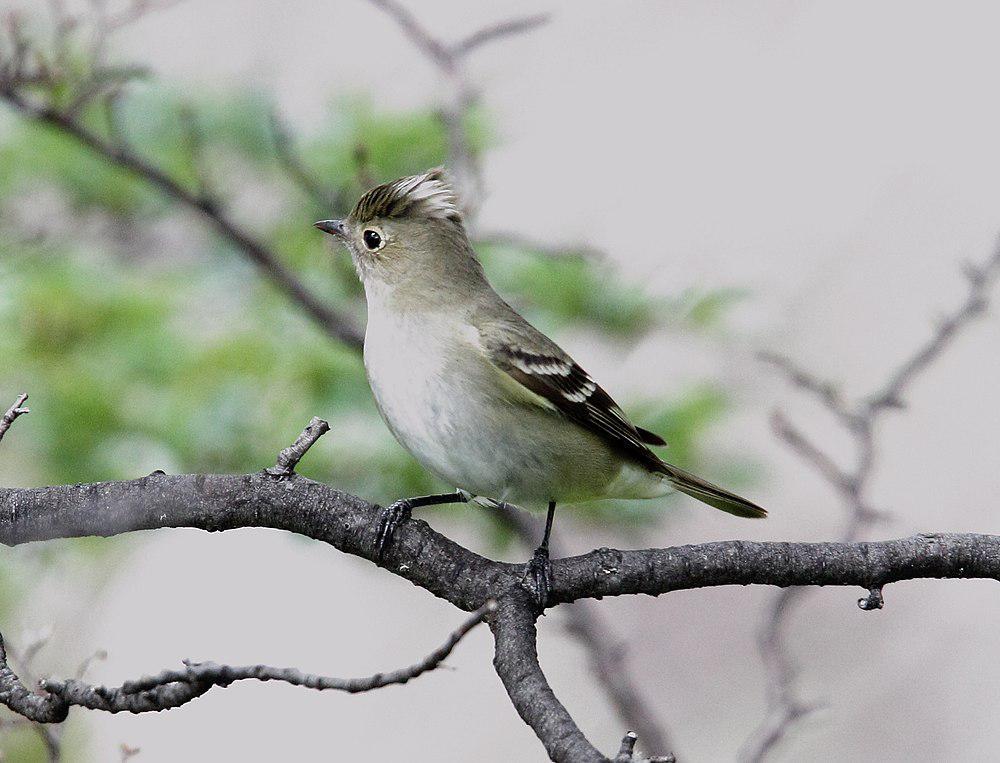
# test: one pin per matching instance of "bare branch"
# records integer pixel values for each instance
(289, 457)
(465, 166)
(824, 391)
(173, 688)
(785, 708)
(981, 279)
(626, 753)
(442, 567)
(810, 452)
(136, 11)
(291, 162)
(498, 31)
(336, 324)
(516, 662)
(218, 502)
(45, 732)
(603, 647)
(427, 43)
(17, 409)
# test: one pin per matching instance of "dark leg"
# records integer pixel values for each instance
(540, 568)
(399, 511)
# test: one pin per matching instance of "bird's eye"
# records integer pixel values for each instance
(373, 239)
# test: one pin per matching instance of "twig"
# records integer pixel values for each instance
(826, 392)
(981, 279)
(498, 31)
(173, 688)
(785, 708)
(289, 457)
(520, 241)
(338, 325)
(448, 59)
(626, 753)
(17, 409)
(809, 451)
(429, 45)
(289, 159)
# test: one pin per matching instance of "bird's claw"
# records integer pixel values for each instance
(538, 577)
(391, 517)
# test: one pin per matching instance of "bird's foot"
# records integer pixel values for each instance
(391, 517)
(538, 577)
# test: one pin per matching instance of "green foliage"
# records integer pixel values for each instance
(21, 743)
(567, 290)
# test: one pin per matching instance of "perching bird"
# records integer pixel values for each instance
(478, 395)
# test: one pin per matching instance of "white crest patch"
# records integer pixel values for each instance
(430, 194)
(427, 195)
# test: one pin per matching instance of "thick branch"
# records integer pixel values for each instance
(516, 662)
(227, 502)
(431, 561)
(871, 565)
(607, 656)
(437, 564)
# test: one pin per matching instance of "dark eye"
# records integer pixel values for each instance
(373, 239)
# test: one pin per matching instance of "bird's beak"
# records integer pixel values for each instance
(333, 227)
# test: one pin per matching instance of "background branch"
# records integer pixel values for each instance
(173, 688)
(860, 420)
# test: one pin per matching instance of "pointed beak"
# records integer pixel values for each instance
(333, 227)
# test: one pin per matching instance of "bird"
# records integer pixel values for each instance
(480, 397)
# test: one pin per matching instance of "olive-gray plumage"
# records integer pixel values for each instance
(479, 396)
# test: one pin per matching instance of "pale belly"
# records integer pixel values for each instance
(475, 442)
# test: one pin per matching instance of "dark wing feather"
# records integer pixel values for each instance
(650, 438)
(572, 392)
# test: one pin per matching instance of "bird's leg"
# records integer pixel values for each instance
(540, 568)
(399, 511)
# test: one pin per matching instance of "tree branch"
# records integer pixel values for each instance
(497, 31)
(851, 484)
(17, 409)
(336, 324)
(516, 662)
(452, 572)
(289, 457)
(173, 688)
(603, 647)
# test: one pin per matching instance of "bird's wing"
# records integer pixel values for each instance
(540, 373)
(552, 379)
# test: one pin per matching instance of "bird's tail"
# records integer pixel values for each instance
(711, 494)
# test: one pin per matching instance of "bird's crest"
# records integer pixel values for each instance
(427, 195)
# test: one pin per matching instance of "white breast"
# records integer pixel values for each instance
(406, 361)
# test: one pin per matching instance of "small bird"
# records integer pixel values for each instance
(479, 396)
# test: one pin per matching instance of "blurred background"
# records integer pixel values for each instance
(666, 189)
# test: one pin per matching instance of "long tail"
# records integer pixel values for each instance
(711, 494)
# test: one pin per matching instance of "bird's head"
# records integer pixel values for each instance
(407, 236)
